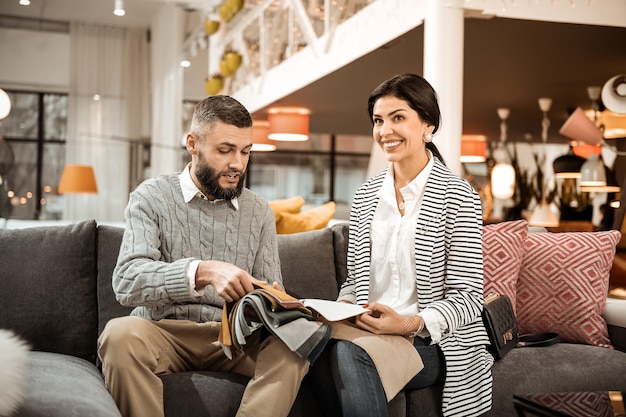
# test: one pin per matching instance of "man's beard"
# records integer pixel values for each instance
(209, 180)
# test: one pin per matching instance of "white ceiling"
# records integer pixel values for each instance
(508, 63)
(139, 13)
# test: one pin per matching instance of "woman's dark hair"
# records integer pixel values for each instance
(420, 96)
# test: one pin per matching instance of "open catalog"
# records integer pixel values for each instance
(306, 326)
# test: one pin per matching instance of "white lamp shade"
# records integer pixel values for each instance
(119, 8)
(543, 216)
(611, 185)
(5, 104)
(592, 172)
(614, 94)
(503, 181)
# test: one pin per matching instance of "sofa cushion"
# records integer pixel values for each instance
(193, 394)
(109, 241)
(62, 385)
(307, 262)
(503, 249)
(558, 368)
(311, 219)
(340, 241)
(563, 285)
(48, 289)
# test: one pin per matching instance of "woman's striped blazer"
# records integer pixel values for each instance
(449, 270)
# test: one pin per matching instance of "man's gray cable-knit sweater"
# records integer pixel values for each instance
(164, 234)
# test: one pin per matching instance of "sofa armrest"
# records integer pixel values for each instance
(615, 316)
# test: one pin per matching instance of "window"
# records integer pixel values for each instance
(32, 155)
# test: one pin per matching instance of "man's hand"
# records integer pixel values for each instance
(229, 281)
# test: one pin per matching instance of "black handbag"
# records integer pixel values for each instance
(501, 324)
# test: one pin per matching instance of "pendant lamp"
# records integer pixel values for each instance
(584, 150)
(592, 172)
(288, 123)
(473, 148)
(503, 181)
(580, 128)
(503, 173)
(260, 141)
(611, 185)
(568, 165)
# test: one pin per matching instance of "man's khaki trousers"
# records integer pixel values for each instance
(134, 351)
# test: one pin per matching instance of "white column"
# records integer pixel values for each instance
(167, 90)
(443, 68)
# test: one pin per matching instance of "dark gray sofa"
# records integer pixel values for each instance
(56, 293)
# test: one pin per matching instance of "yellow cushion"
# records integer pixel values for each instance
(312, 219)
(287, 205)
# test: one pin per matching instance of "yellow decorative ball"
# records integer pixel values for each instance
(213, 86)
(211, 26)
(233, 61)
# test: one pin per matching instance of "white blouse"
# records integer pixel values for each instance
(392, 269)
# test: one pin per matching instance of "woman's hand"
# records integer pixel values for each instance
(382, 319)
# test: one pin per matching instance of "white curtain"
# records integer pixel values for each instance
(167, 90)
(108, 109)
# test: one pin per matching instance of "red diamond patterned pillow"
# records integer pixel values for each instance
(563, 285)
(503, 249)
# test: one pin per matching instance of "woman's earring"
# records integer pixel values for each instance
(428, 137)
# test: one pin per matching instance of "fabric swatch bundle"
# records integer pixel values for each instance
(281, 314)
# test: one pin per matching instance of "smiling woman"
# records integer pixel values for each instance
(415, 261)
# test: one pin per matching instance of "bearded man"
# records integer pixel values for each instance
(192, 241)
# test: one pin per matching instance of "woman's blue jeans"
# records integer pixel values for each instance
(347, 384)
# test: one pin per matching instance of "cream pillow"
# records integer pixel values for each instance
(312, 219)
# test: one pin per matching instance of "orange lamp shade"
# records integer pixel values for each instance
(584, 150)
(288, 123)
(260, 141)
(78, 179)
(473, 148)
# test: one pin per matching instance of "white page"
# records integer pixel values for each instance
(334, 310)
